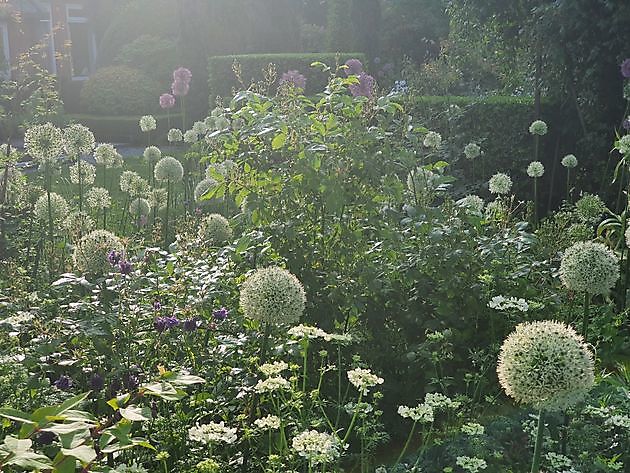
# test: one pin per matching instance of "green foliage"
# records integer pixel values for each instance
(120, 90)
(125, 129)
(222, 79)
(155, 56)
(339, 26)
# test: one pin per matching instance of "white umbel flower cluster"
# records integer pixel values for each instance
(215, 230)
(589, 267)
(274, 368)
(471, 464)
(472, 429)
(500, 184)
(168, 169)
(535, 169)
(316, 447)
(306, 331)
(106, 155)
(90, 254)
(152, 153)
(363, 379)
(78, 224)
(133, 184)
(139, 207)
(273, 295)
(212, 433)
(270, 385)
(472, 203)
(203, 188)
(268, 423)
(422, 413)
(545, 364)
(58, 208)
(174, 135)
(590, 208)
(508, 303)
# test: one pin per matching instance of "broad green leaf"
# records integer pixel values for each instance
(278, 141)
(134, 413)
(83, 453)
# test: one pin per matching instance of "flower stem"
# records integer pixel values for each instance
(406, 446)
(354, 419)
(585, 317)
(538, 444)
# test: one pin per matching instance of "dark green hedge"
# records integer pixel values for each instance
(125, 129)
(222, 81)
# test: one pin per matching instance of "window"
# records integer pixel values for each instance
(82, 51)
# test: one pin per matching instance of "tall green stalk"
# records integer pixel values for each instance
(406, 446)
(535, 202)
(569, 185)
(585, 316)
(168, 208)
(538, 444)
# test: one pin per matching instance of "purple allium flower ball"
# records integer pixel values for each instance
(157, 305)
(113, 257)
(364, 88)
(96, 382)
(171, 321)
(167, 101)
(355, 67)
(294, 78)
(625, 68)
(160, 324)
(64, 383)
(180, 88)
(181, 74)
(220, 314)
(626, 124)
(190, 325)
(125, 267)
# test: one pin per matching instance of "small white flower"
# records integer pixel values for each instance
(273, 369)
(268, 423)
(507, 303)
(270, 385)
(212, 433)
(174, 135)
(316, 447)
(306, 331)
(422, 413)
(500, 183)
(472, 429)
(363, 379)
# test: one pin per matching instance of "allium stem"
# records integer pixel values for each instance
(538, 444)
(168, 208)
(535, 202)
(585, 317)
(80, 183)
(406, 446)
(569, 185)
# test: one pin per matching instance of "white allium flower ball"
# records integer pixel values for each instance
(589, 267)
(157, 198)
(58, 209)
(152, 153)
(268, 423)
(590, 208)
(496, 210)
(363, 379)
(147, 123)
(273, 295)
(175, 135)
(200, 128)
(432, 140)
(273, 384)
(78, 224)
(538, 127)
(623, 145)
(545, 364)
(215, 230)
(90, 254)
(98, 198)
(473, 203)
(472, 150)
(139, 207)
(78, 140)
(87, 173)
(569, 161)
(535, 169)
(274, 368)
(500, 183)
(203, 188)
(44, 142)
(106, 155)
(191, 137)
(212, 433)
(316, 447)
(168, 169)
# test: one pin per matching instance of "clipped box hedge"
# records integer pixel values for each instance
(222, 81)
(125, 129)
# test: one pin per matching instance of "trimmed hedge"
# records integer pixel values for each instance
(221, 80)
(125, 129)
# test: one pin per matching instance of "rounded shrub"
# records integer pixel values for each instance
(120, 90)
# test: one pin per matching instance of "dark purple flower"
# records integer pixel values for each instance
(180, 88)
(157, 305)
(160, 324)
(181, 74)
(365, 87)
(190, 325)
(354, 67)
(167, 101)
(64, 383)
(131, 381)
(96, 382)
(125, 267)
(220, 314)
(45, 438)
(171, 321)
(293, 78)
(625, 68)
(113, 257)
(626, 124)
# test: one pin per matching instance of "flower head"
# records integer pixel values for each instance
(147, 123)
(306, 332)
(538, 128)
(432, 140)
(472, 150)
(44, 142)
(589, 267)
(590, 208)
(273, 295)
(316, 447)
(363, 379)
(545, 364)
(78, 224)
(215, 230)
(139, 207)
(535, 169)
(168, 169)
(625, 68)
(98, 198)
(106, 155)
(471, 464)
(365, 87)
(354, 67)
(180, 88)
(167, 101)
(293, 78)
(212, 433)
(152, 153)
(182, 74)
(569, 161)
(91, 254)
(472, 203)
(422, 413)
(272, 384)
(175, 135)
(500, 183)
(268, 423)
(58, 209)
(220, 314)
(191, 137)
(78, 140)
(83, 173)
(273, 369)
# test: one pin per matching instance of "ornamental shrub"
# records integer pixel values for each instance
(120, 90)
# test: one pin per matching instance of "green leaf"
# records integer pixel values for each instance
(278, 141)
(134, 413)
(83, 453)
(16, 415)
